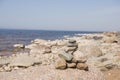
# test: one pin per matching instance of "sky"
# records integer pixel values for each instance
(76, 15)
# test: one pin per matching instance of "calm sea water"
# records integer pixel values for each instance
(10, 37)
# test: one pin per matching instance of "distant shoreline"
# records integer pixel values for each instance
(54, 30)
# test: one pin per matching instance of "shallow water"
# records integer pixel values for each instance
(10, 37)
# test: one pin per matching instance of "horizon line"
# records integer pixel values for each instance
(52, 30)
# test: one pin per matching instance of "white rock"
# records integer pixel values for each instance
(19, 46)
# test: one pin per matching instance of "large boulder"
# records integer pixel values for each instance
(112, 39)
(90, 50)
(106, 62)
(4, 61)
(23, 60)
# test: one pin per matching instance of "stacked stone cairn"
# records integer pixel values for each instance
(67, 60)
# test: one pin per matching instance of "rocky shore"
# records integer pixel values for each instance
(87, 57)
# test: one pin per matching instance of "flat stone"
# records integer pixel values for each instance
(97, 38)
(65, 56)
(70, 49)
(72, 41)
(82, 66)
(72, 45)
(110, 66)
(4, 61)
(71, 65)
(60, 64)
(22, 61)
(19, 46)
(70, 52)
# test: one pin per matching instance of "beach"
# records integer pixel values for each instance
(93, 56)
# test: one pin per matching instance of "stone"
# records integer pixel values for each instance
(60, 64)
(71, 65)
(4, 61)
(70, 49)
(110, 34)
(47, 50)
(7, 68)
(72, 45)
(112, 39)
(82, 66)
(23, 60)
(19, 46)
(97, 37)
(90, 50)
(72, 41)
(105, 62)
(65, 56)
(16, 68)
(79, 57)
(74, 60)
(70, 52)
(1, 69)
(110, 66)
(39, 41)
(118, 34)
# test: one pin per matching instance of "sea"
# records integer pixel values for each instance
(9, 37)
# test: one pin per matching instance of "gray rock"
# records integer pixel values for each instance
(90, 50)
(60, 64)
(19, 46)
(23, 61)
(97, 37)
(72, 41)
(71, 49)
(72, 45)
(110, 66)
(65, 56)
(105, 62)
(4, 61)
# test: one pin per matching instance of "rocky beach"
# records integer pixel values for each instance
(87, 57)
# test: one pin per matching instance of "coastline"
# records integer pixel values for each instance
(101, 53)
(9, 37)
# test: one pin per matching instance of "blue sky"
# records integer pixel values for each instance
(80, 15)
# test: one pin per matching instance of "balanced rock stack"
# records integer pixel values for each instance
(67, 60)
(71, 46)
